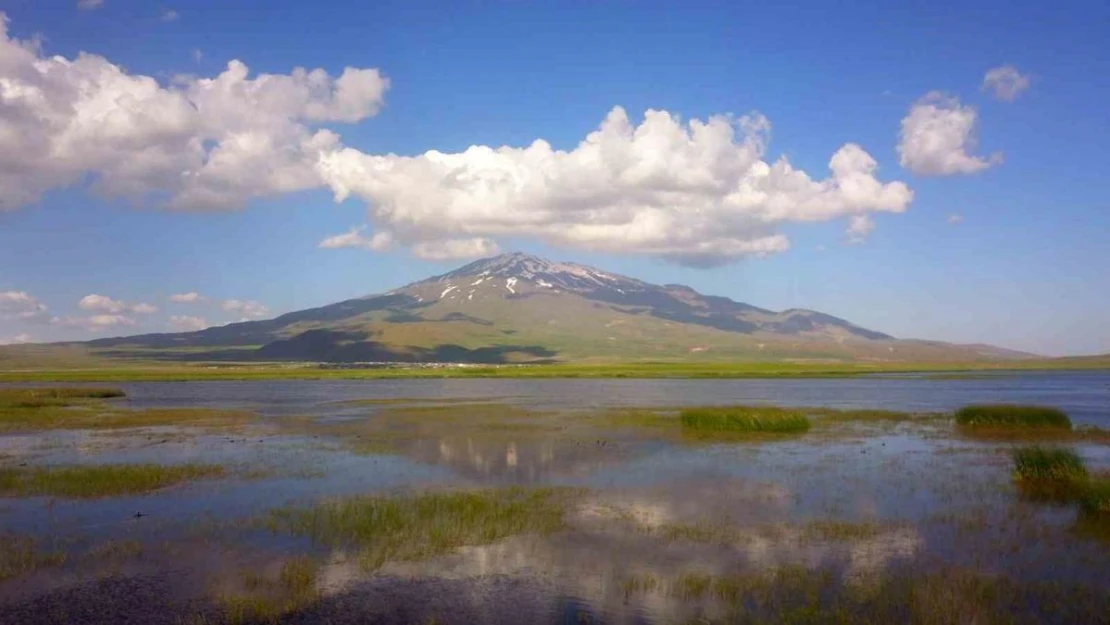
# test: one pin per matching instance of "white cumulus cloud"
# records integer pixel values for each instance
(937, 138)
(249, 309)
(451, 249)
(954, 218)
(169, 15)
(103, 303)
(699, 192)
(380, 241)
(89, 5)
(18, 339)
(196, 143)
(859, 226)
(186, 323)
(191, 297)
(95, 322)
(22, 306)
(1005, 82)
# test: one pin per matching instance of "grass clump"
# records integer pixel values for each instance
(1004, 416)
(99, 480)
(424, 525)
(266, 600)
(1095, 500)
(61, 396)
(1049, 474)
(21, 555)
(70, 417)
(1046, 464)
(743, 420)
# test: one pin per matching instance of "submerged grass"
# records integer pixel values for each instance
(391, 428)
(99, 480)
(950, 596)
(733, 420)
(266, 600)
(1005, 416)
(20, 555)
(726, 534)
(428, 524)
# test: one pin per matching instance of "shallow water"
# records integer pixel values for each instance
(1084, 395)
(934, 501)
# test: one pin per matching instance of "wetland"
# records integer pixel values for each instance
(881, 499)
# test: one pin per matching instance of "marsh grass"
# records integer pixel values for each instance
(1048, 464)
(751, 422)
(21, 555)
(266, 600)
(115, 550)
(85, 408)
(741, 420)
(54, 396)
(1012, 416)
(424, 525)
(950, 596)
(1094, 502)
(843, 530)
(390, 429)
(99, 480)
(727, 534)
(92, 417)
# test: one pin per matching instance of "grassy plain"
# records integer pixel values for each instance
(108, 370)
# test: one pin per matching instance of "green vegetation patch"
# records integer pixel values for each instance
(113, 418)
(1006, 416)
(428, 524)
(99, 480)
(1049, 474)
(1048, 464)
(20, 555)
(265, 599)
(1095, 500)
(732, 420)
(54, 396)
(73, 408)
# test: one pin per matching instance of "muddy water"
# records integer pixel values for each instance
(930, 501)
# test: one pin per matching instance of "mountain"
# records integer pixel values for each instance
(517, 308)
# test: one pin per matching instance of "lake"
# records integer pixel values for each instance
(855, 516)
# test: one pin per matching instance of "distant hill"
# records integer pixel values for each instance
(521, 308)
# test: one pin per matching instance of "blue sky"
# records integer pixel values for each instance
(1024, 264)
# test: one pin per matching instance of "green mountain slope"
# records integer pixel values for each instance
(520, 308)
